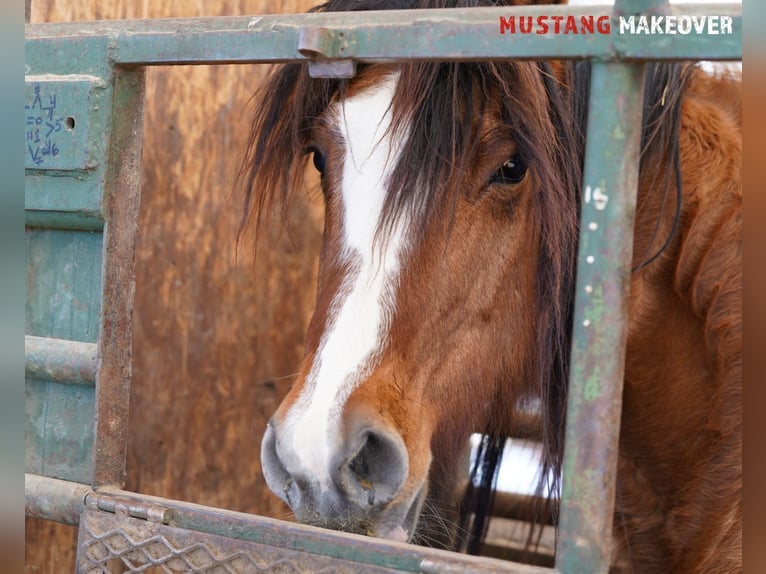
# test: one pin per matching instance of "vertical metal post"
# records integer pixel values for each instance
(598, 352)
(121, 202)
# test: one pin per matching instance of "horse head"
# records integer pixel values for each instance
(446, 286)
(450, 196)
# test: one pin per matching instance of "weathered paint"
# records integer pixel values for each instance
(58, 112)
(71, 503)
(58, 500)
(454, 34)
(121, 202)
(600, 321)
(60, 360)
(63, 305)
(213, 334)
(63, 284)
(66, 134)
(58, 430)
(59, 417)
(65, 137)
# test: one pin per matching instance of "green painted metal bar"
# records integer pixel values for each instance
(600, 320)
(60, 360)
(64, 501)
(72, 220)
(450, 34)
(594, 405)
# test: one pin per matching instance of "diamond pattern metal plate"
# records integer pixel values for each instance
(116, 543)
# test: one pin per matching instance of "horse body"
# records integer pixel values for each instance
(678, 506)
(446, 287)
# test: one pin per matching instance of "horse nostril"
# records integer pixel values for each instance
(377, 471)
(277, 476)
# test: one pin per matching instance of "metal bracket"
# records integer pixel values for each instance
(329, 50)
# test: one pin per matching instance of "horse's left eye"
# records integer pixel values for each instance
(513, 170)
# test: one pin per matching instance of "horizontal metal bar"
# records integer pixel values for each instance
(278, 533)
(77, 220)
(63, 501)
(53, 499)
(60, 360)
(448, 34)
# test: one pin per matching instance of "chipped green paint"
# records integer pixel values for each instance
(61, 360)
(58, 431)
(453, 34)
(598, 308)
(593, 385)
(595, 392)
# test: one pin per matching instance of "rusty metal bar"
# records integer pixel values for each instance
(60, 360)
(121, 202)
(53, 499)
(65, 502)
(600, 320)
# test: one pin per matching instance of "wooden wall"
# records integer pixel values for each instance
(215, 337)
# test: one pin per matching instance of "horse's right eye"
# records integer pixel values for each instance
(319, 161)
(512, 171)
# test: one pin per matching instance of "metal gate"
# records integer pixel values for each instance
(84, 117)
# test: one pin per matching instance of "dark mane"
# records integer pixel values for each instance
(544, 106)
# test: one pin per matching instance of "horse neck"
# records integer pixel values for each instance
(685, 307)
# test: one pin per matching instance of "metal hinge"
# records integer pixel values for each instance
(116, 504)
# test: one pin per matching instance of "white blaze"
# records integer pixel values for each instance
(358, 314)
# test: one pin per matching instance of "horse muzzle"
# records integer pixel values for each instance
(362, 490)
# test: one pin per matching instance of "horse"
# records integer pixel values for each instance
(446, 284)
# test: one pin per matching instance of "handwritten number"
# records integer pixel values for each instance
(42, 117)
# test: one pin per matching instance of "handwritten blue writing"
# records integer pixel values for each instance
(42, 125)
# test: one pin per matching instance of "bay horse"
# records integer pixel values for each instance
(446, 284)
